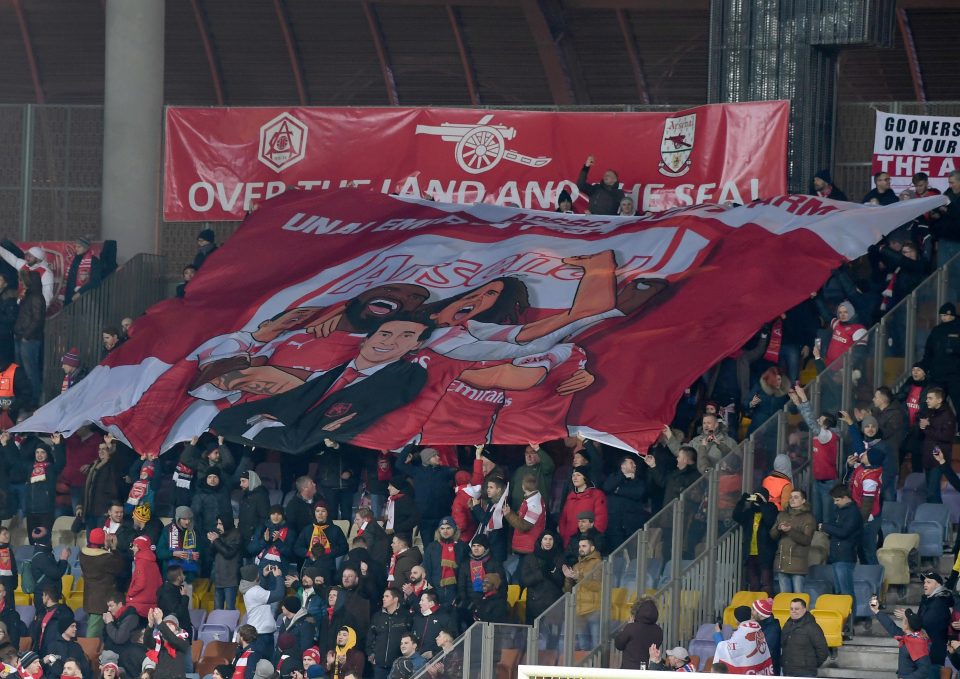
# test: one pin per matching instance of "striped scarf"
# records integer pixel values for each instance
(448, 563)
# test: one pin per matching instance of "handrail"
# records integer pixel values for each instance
(129, 291)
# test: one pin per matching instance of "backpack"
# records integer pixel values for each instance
(28, 583)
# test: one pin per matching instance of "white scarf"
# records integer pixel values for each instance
(495, 522)
(745, 652)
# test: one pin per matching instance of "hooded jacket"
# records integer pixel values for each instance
(41, 485)
(934, 610)
(794, 544)
(254, 507)
(779, 483)
(433, 556)
(209, 502)
(941, 353)
(227, 550)
(303, 628)
(347, 659)
(146, 581)
(744, 514)
(634, 638)
(846, 532)
(33, 310)
(542, 574)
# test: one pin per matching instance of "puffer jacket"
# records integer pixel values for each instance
(635, 637)
(254, 507)
(146, 580)
(542, 575)
(590, 499)
(791, 555)
(42, 494)
(209, 502)
(803, 647)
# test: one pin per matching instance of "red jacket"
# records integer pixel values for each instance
(591, 499)
(462, 516)
(142, 593)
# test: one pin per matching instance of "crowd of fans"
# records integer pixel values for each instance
(435, 536)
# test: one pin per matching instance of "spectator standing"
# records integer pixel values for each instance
(45, 568)
(102, 483)
(529, 521)
(758, 516)
(172, 646)
(442, 559)
(401, 510)
(626, 495)
(803, 648)
(297, 621)
(254, 505)
(71, 366)
(605, 197)
(146, 580)
(794, 530)
(826, 454)
(538, 462)
(404, 558)
(893, 430)
(189, 271)
(541, 573)
(429, 619)
(33, 260)
(262, 588)
(938, 427)
(941, 353)
(173, 597)
(779, 482)
(488, 513)
(712, 443)
(321, 543)
(584, 497)
(866, 480)
(337, 475)
(9, 310)
(913, 661)
(641, 631)
(766, 399)
(763, 614)
(913, 396)
(846, 535)
(84, 273)
(100, 569)
(934, 613)
(179, 544)
(28, 332)
(434, 488)
(386, 630)
(881, 194)
(227, 547)
(52, 617)
(206, 245)
(378, 542)
(946, 227)
(275, 540)
(10, 620)
(211, 500)
(745, 652)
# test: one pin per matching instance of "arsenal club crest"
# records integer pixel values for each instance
(283, 142)
(677, 145)
(338, 409)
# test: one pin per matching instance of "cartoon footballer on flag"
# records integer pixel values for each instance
(384, 321)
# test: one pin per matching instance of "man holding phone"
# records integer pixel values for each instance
(262, 589)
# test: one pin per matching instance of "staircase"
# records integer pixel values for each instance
(873, 654)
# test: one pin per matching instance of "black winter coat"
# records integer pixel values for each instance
(42, 495)
(635, 637)
(846, 532)
(935, 613)
(434, 486)
(467, 593)
(674, 481)
(604, 200)
(325, 561)
(744, 514)
(941, 353)
(541, 573)
(771, 632)
(803, 648)
(625, 498)
(254, 511)
(406, 516)
(172, 602)
(383, 640)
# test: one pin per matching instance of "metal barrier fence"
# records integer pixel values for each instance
(484, 651)
(129, 291)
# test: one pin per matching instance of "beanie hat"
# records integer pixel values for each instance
(582, 469)
(313, 652)
(110, 659)
(481, 540)
(869, 420)
(824, 175)
(447, 521)
(142, 513)
(264, 669)
(400, 483)
(40, 536)
(741, 613)
(587, 515)
(28, 659)
(876, 456)
(292, 604)
(209, 236)
(96, 537)
(249, 573)
(315, 671)
(144, 542)
(914, 620)
(320, 502)
(763, 607)
(71, 358)
(462, 478)
(933, 575)
(428, 454)
(948, 308)
(171, 618)
(83, 240)
(564, 197)
(36, 251)
(183, 512)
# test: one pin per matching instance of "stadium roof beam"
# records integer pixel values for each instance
(376, 32)
(913, 61)
(28, 48)
(284, 20)
(550, 57)
(635, 64)
(454, 18)
(204, 30)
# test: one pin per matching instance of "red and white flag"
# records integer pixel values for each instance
(746, 651)
(361, 317)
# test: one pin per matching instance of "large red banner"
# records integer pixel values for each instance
(220, 162)
(361, 317)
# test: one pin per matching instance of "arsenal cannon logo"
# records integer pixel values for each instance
(677, 145)
(480, 146)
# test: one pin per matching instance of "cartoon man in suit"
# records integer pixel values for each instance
(340, 402)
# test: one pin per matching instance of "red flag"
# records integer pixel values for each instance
(459, 324)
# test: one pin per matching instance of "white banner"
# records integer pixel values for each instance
(905, 145)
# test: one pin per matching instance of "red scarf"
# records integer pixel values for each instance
(887, 295)
(448, 563)
(39, 472)
(393, 568)
(916, 643)
(22, 671)
(384, 468)
(68, 381)
(83, 271)
(6, 562)
(154, 655)
(772, 353)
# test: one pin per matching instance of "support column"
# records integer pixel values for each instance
(132, 124)
(788, 50)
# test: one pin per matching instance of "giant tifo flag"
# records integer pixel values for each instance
(360, 317)
(221, 161)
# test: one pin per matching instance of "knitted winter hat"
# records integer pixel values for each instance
(741, 613)
(292, 604)
(428, 454)
(763, 607)
(207, 235)
(183, 512)
(96, 537)
(142, 513)
(71, 358)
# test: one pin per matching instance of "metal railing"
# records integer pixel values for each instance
(129, 291)
(484, 651)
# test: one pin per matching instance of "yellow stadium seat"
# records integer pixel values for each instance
(839, 603)
(831, 622)
(66, 584)
(894, 556)
(513, 595)
(201, 585)
(742, 598)
(21, 598)
(618, 599)
(781, 602)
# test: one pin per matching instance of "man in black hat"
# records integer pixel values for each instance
(45, 569)
(84, 273)
(823, 187)
(941, 354)
(206, 244)
(296, 620)
(934, 614)
(586, 528)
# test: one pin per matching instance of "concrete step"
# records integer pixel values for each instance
(855, 673)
